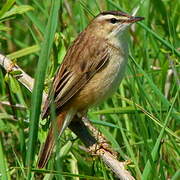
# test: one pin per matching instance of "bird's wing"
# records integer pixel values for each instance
(78, 67)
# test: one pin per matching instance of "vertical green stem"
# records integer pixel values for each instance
(39, 81)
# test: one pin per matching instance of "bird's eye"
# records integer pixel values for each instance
(113, 20)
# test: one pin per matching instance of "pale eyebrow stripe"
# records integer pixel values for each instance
(104, 17)
(109, 16)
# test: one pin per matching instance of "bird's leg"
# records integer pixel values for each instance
(94, 141)
(78, 127)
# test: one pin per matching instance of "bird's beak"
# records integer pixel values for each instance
(132, 19)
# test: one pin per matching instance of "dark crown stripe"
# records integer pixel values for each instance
(115, 13)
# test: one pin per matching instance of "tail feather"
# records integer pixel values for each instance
(50, 140)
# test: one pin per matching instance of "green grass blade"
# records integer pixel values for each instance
(164, 42)
(24, 52)
(154, 87)
(130, 150)
(6, 7)
(176, 175)
(154, 153)
(33, 18)
(39, 81)
(3, 164)
(17, 10)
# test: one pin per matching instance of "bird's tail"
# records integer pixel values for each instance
(62, 122)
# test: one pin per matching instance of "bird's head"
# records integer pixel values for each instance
(112, 23)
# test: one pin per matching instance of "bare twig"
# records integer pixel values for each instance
(117, 167)
(17, 106)
(106, 153)
(23, 78)
(96, 144)
(100, 138)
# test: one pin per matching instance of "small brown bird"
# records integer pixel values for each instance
(91, 71)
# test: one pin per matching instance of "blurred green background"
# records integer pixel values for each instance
(141, 120)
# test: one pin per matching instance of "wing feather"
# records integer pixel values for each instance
(77, 69)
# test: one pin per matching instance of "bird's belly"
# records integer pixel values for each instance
(108, 82)
(103, 83)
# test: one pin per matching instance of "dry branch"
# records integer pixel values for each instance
(16, 106)
(23, 78)
(96, 144)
